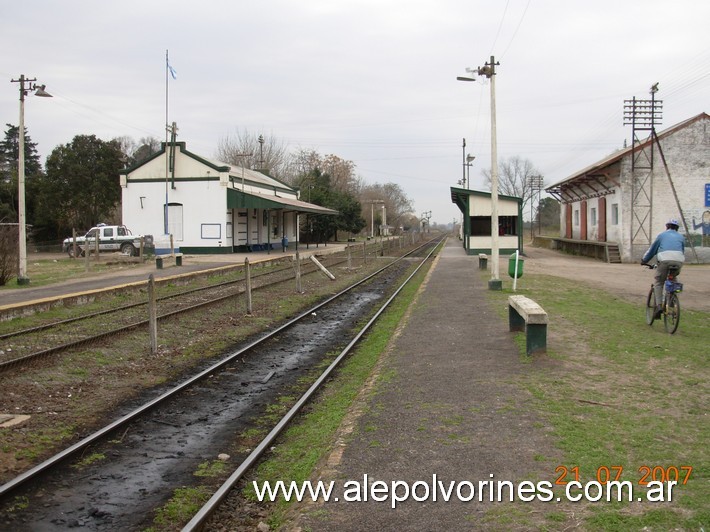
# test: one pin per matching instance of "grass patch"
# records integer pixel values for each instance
(214, 468)
(620, 393)
(184, 503)
(44, 441)
(49, 271)
(88, 460)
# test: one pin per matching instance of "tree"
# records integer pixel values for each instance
(147, 146)
(244, 149)
(350, 212)
(9, 156)
(82, 187)
(135, 152)
(9, 252)
(397, 204)
(514, 176)
(321, 192)
(548, 212)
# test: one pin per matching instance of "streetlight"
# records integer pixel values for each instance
(26, 86)
(489, 71)
(469, 160)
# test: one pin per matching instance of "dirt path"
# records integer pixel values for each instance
(630, 281)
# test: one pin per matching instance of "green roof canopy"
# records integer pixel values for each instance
(236, 199)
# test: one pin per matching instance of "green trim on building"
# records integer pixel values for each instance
(162, 179)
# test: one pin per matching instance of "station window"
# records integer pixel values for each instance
(508, 225)
(480, 226)
(614, 214)
(593, 215)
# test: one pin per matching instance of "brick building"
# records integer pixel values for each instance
(614, 208)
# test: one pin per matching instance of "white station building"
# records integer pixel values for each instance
(209, 206)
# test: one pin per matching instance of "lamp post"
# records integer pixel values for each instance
(469, 160)
(489, 71)
(26, 86)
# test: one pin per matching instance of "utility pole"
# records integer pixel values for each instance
(489, 70)
(261, 152)
(535, 185)
(463, 149)
(27, 85)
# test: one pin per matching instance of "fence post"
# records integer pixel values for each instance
(87, 254)
(247, 272)
(364, 252)
(350, 258)
(152, 316)
(299, 286)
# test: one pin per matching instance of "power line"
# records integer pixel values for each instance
(520, 22)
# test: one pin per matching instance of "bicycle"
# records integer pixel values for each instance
(670, 306)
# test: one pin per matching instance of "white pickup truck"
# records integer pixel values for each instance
(111, 238)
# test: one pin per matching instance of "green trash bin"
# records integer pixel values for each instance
(511, 267)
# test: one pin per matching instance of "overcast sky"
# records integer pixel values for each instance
(371, 81)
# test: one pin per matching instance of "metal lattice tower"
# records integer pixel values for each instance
(642, 116)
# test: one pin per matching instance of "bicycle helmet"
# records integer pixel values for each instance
(672, 223)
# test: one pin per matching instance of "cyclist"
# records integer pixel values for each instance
(669, 250)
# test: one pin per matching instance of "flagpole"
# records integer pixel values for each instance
(167, 68)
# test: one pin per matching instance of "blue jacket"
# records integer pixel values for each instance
(669, 245)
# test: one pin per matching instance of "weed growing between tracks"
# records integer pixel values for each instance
(619, 393)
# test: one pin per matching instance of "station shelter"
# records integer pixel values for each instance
(476, 229)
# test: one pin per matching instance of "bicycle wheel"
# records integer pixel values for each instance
(650, 306)
(671, 318)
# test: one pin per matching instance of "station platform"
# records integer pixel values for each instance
(448, 410)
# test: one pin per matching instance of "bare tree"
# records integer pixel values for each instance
(134, 152)
(245, 149)
(514, 177)
(396, 203)
(341, 173)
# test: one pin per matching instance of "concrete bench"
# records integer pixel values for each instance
(159, 260)
(526, 315)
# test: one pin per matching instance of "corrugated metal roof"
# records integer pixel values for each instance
(620, 154)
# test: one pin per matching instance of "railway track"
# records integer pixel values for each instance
(230, 391)
(26, 345)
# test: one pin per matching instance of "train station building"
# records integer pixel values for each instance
(476, 207)
(210, 206)
(614, 208)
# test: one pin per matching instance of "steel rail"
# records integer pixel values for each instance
(21, 479)
(213, 503)
(47, 326)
